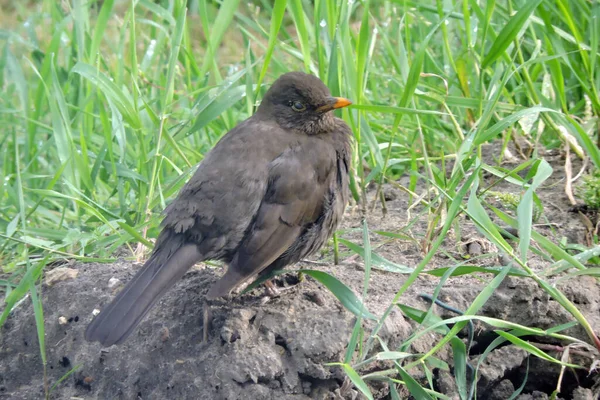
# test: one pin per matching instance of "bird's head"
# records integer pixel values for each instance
(301, 101)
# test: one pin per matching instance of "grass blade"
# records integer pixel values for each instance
(509, 33)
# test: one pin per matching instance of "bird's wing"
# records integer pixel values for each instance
(216, 206)
(295, 196)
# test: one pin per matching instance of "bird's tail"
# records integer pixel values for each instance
(116, 322)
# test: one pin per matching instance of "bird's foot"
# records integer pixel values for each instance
(272, 290)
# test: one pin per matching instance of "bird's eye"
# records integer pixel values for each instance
(298, 106)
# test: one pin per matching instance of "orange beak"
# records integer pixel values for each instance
(333, 103)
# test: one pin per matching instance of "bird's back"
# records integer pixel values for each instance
(216, 206)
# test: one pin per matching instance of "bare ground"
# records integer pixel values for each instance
(279, 349)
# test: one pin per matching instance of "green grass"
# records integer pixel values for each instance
(107, 106)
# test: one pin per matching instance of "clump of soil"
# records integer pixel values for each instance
(279, 348)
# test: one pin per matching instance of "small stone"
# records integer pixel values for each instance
(499, 363)
(509, 157)
(582, 393)
(306, 387)
(229, 335)
(389, 193)
(535, 395)
(315, 297)
(447, 384)
(503, 390)
(474, 249)
(164, 334)
(62, 320)
(113, 282)
(504, 258)
(60, 274)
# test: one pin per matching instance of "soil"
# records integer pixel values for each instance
(279, 348)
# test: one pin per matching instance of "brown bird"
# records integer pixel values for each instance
(271, 192)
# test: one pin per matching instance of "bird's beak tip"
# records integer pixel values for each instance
(341, 102)
(333, 103)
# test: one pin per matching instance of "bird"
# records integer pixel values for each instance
(270, 193)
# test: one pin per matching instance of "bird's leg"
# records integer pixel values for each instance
(271, 289)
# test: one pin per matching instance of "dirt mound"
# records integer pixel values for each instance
(256, 350)
(280, 348)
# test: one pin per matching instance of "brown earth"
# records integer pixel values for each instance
(278, 348)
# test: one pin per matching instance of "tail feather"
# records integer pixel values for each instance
(116, 322)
